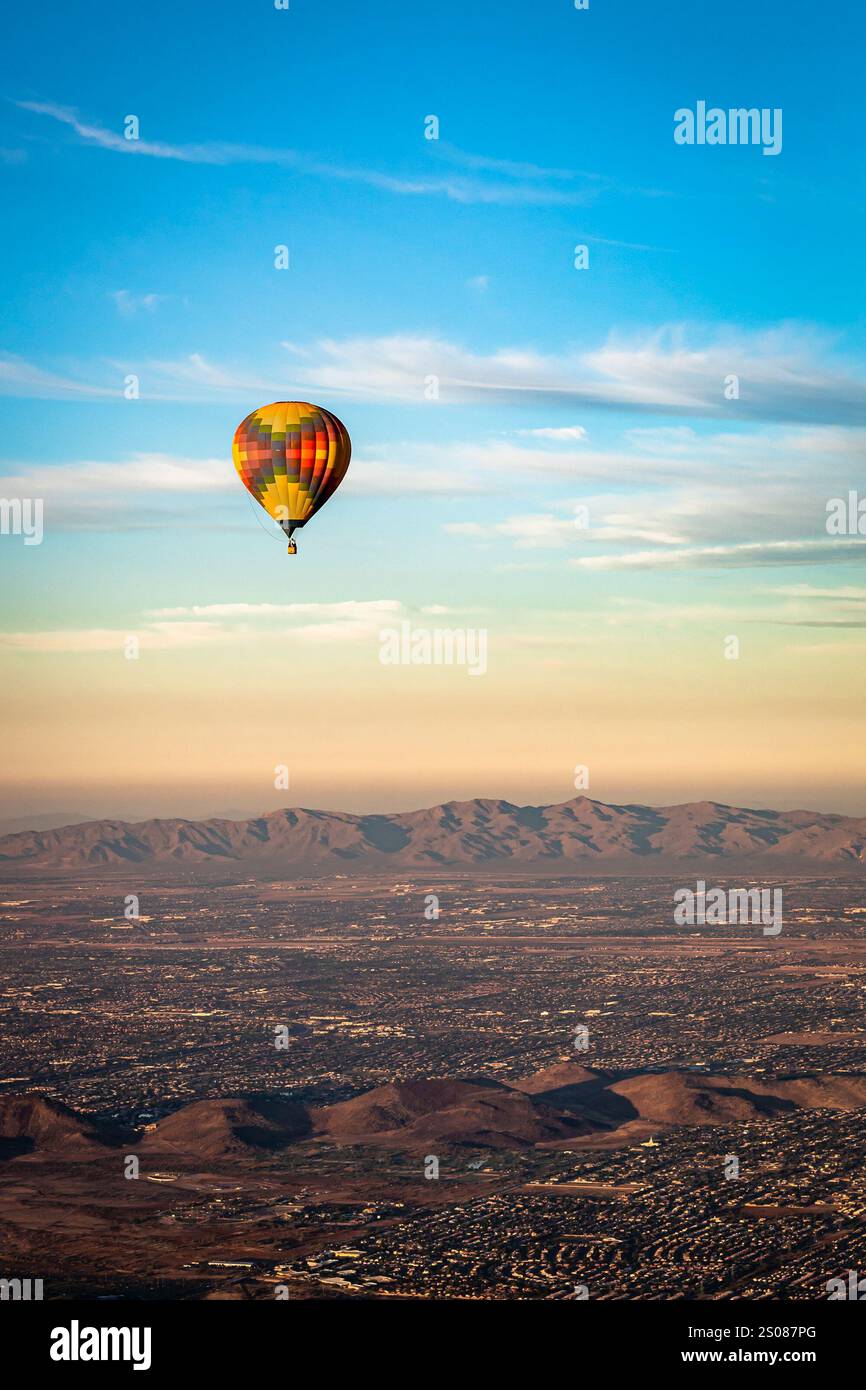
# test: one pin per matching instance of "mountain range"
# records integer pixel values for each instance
(576, 836)
(562, 1103)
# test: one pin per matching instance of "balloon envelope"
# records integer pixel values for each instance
(291, 456)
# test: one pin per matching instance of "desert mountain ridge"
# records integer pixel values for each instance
(34, 1122)
(561, 1104)
(576, 836)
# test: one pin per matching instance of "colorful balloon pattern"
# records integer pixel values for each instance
(291, 456)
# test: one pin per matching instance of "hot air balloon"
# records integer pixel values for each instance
(291, 456)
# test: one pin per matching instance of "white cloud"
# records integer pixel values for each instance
(733, 499)
(784, 375)
(152, 637)
(546, 530)
(218, 624)
(466, 528)
(142, 473)
(491, 465)
(846, 593)
(402, 471)
(675, 489)
(745, 554)
(565, 432)
(350, 620)
(542, 529)
(25, 379)
(128, 304)
(515, 183)
(349, 608)
(799, 609)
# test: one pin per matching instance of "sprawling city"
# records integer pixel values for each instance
(451, 1089)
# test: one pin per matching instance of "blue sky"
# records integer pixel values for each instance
(455, 257)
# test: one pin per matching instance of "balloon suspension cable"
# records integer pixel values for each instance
(255, 511)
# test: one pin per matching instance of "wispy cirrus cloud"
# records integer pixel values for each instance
(128, 304)
(683, 500)
(547, 530)
(788, 374)
(557, 432)
(845, 593)
(144, 492)
(89, 641)
(666, 488)
(351, 620)
(140, 473)
(501, 465)
(791, 606)
(443, 150)
(29, 381)
(217, 624)
(785, 374)
(470, 179)
(349, 608)
(811, 606)
(782, 374)
(741, 555)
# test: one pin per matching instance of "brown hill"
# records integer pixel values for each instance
(843, 1091)
(683, 1098)
(562, 1076)
(691, 1098)
(577, 835)
(678, 1097)
(580, 1091)
(36, 1124)
(220, 1128)
(415, 1114)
